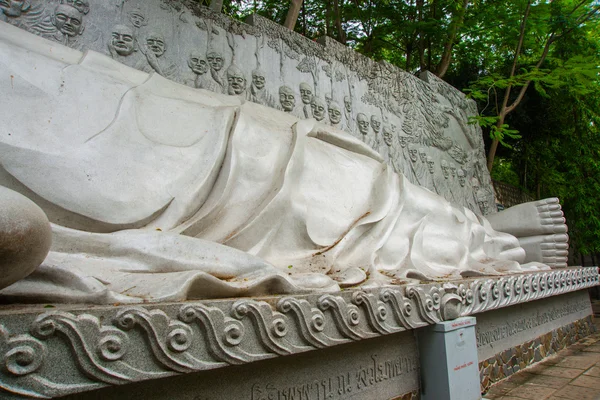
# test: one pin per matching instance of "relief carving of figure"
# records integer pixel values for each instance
(122, 45)
(68, 22)
(199, 67)
(154, 50)
(236, 81)
(258, 91)
(165, 193)
(335, 113)
(83, 6)
(217, 61)
(349, 123)
(137, 18)
(318, 108)
(287, 101)
(423, 175)
(306, 94)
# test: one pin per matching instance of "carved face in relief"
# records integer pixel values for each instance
(68, 20)
(335, 113)
(156, 44)
(430, 164)
(83, 6)
(258, 79)
(236, 80)
(363, 123)
(423, 155)
(197, 63)
(318, 108)
(452, 169)
(461, 177)
(475, 184)
(403, 140)
(445, 169)
(482, 201)
(305, 93)
(376, 123)
(387, 135)
(14, 8)
(287, 99)
(122, 40)
(348, 104)
(215, 60)
(413, 153)
(137, 19)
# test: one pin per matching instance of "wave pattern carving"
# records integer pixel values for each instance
(128, 344)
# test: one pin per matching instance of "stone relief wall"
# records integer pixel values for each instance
(419, 126)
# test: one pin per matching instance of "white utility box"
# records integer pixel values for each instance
(449, 364)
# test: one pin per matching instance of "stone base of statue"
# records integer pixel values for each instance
(357, 344)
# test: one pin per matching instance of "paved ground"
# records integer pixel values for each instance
(572, 373)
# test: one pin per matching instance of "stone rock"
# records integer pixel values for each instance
(25, 236)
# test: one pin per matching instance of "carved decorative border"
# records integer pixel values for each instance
(112, 346)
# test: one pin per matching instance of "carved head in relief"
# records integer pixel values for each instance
(423, 155)
(348, 104)
(388, 134)
(236, 80)
(68, 20)
(461, 177)
(156, 43)
(215, 60)
(403, 140)
(413, 152)
(287, 98)
(453, 169)
(430, 164)
(376, 123)
(122, 40)
(445, 169)
(258, 79)
(363, 123)
(197, 63)
(475, 184)
(482, 201)
(306, 93)
(335, 113)
(137, 19)
(83, 6)
(318, 108)
(14, 8)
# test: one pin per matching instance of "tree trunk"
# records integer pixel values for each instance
(292, 15)
(457, 22)
(505, 109)
(338, 20)
(216, 5)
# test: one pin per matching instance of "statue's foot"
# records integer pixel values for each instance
(552, 250)
(542, 217)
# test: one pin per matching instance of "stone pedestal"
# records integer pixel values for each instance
(355, 344)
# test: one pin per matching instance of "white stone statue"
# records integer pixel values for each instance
(156, 191)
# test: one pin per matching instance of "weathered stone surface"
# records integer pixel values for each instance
(104, 346)
(25, 237)
(499, 331)
(259, 60)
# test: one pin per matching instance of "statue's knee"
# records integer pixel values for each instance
(25, 236)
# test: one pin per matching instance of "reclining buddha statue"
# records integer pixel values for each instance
(122, 186)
